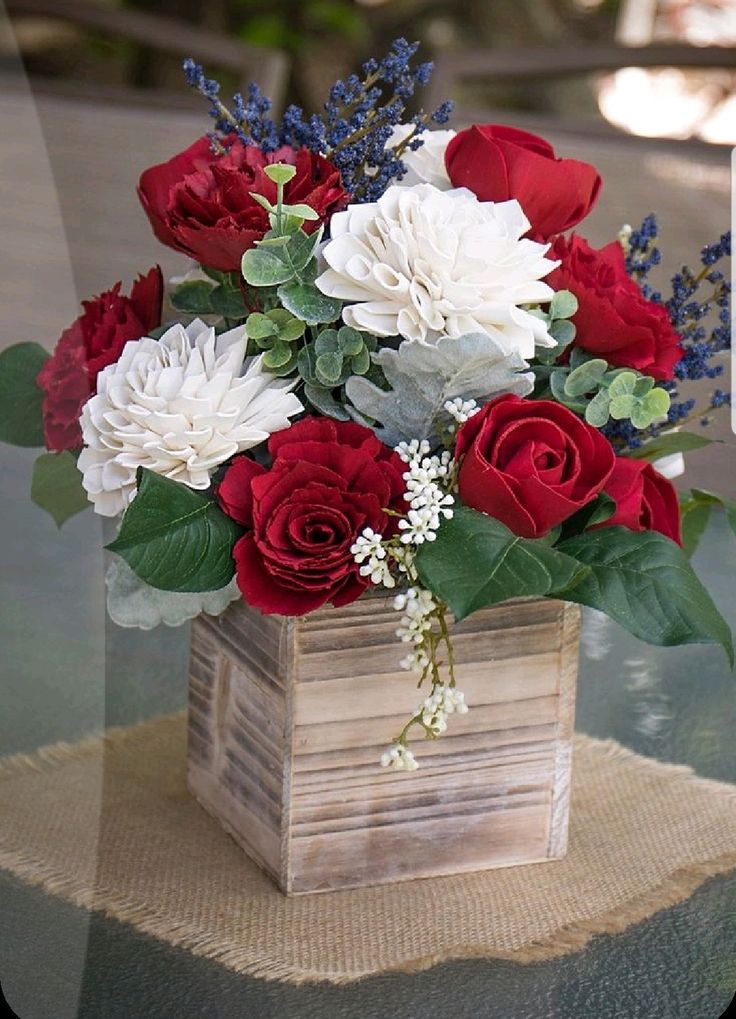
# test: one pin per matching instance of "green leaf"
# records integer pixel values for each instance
(645, 582)
(260, 327)
(624, 384)
(327, 342)
(21, 413)
(323, 401)
(597, 511)
(563, 332)
(262, 201)
(278, 356)
(56, 486)
(360, 363)
(309, 304)
(350, 341)
(228, 302)
(657, 403)
(176, 538)
(476, 561)
(563, 305)
(585, 378)
(301, 211)
(643, 385)
(670, 442)
(597, 411)
(280, 173)
(265, 267)
(694, 517)
(328, 368)
(621, 407)
(193, 297)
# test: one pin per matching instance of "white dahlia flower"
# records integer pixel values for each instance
(423, 263)
(425, 165)
(179, 406)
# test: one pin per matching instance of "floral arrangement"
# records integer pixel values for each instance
(392, 365)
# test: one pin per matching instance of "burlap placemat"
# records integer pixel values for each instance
(644, 835)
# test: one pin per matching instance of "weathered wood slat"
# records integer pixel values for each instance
(288, 718)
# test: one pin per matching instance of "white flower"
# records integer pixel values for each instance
(370, 555)
(179, 406)
(424, 263)
(399, 757)
(461, 410)
(425, 165)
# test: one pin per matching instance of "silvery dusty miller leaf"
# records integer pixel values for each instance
(423, 377)
(132, 603)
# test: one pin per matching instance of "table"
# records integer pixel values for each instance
(71, 226)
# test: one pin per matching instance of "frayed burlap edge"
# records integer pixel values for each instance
(674, 889)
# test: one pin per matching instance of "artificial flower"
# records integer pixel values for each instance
(426, 164)
(498, 162)
(329, 481)
(202, 203)
(645, 499)
(92, 342)
(614, 320)
(530, 463)
(424, 263)
(179, 406)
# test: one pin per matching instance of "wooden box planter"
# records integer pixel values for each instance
(288, 717)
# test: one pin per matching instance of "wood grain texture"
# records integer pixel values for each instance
(288, 718)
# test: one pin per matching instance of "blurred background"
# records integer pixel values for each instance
(108, 45)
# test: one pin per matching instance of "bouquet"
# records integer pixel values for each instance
(391, 365)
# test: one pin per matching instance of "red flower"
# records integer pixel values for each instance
(498, 163)
(95, 340)
(530, 463)
(329, 480)
(614, 321)
(201, 203)
(645, 500)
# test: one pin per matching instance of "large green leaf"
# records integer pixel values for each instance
(645, 582)
(477, 561)
(308, 303)
(669, 442)
(56, 486)
(175, 538)
(695, 509)
(21, 416)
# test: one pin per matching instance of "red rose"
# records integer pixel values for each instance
(201, 203)
(91, 343)
(328, 481)
(614, 321)
(530, 463)
(498, 163)
(645, 500)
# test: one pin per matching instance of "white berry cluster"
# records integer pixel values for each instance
(428, 500)
(399, 757)
(461, 410)
(418, 607)
(370, 555)
(443, 701)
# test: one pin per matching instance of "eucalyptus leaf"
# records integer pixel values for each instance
(645, 582)
(175, 538)
(264, 267)
(477, 561)
(309, 304)
(423, 377)
(328, 368)
(597, 411)
(322, 400)
(563, 332)
(563, 305)
(21, 399)
(278, 356)
(56, 486)
(350, 341)
(360, 363)
(585, 378)
(259, 326)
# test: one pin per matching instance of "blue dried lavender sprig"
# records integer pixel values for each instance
(358, 120)
(691, 315)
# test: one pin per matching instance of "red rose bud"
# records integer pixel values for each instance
(530, 463)
(329, 480)
(498, 163)
(645, 500)
(95, 340)
(201, 203)
(614, 320)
